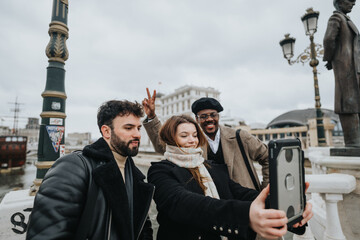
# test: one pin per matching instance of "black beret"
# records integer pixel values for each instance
(206, 103)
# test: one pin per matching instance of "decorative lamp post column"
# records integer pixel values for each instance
(52, 128)
(310, 53)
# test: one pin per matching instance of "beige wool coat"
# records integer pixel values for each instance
(254, 148)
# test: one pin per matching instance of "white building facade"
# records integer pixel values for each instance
(180, 101)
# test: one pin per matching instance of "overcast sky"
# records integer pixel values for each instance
(118, 48)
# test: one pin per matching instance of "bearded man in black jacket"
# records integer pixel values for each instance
(121, 197)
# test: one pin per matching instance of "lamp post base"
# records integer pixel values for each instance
(345, 151)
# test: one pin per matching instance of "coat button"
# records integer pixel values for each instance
(229, 230)
(214, 227)
(236, 231)
(221, 229)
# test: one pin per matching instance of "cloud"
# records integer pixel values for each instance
(118, 48)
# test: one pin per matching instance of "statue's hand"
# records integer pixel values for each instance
(328, 66)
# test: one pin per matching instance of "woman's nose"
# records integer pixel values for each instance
(192, 139)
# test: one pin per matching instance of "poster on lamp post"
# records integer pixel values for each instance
(56, 134)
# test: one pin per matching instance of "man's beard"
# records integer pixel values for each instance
(122, 147)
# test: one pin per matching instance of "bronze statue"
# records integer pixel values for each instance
(341, 51)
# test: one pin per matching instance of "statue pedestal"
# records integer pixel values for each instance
(345, 151)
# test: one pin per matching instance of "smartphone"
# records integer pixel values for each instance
(287, 179)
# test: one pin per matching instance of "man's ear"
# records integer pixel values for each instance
(106, 131)
(197, 119)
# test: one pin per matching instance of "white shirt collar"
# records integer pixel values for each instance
(214, 144)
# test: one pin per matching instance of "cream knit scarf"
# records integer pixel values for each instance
(192, 158)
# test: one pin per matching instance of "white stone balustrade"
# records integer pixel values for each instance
(321, 160)
(331, 187)
(327, 190)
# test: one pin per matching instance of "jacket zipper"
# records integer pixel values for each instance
(144, 220)
(109, 230)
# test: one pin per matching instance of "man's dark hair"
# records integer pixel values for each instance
(113, 108)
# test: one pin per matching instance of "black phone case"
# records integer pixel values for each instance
(275, 147)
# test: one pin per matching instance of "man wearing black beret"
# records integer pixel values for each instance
(223, 146)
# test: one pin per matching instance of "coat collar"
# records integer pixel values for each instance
(109, 179)
(228, 144)
(101, 153)
(353, 27)
(349, 22)
(343, 14)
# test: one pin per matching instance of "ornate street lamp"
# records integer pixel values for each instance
(287, 45)
(310, 53)
(310, 20)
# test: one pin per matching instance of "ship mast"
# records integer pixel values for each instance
(16, 110)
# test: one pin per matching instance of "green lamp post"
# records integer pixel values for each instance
(52, 128)
(310, 24)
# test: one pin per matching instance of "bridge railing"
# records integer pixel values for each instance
(326, 191)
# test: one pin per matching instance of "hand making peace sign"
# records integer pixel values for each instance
(149, 104)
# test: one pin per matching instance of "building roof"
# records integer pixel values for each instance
(257, 125)
(185, 88)
(300, 117)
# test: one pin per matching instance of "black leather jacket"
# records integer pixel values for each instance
(59, 203)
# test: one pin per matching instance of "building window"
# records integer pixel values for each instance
(337, 129)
